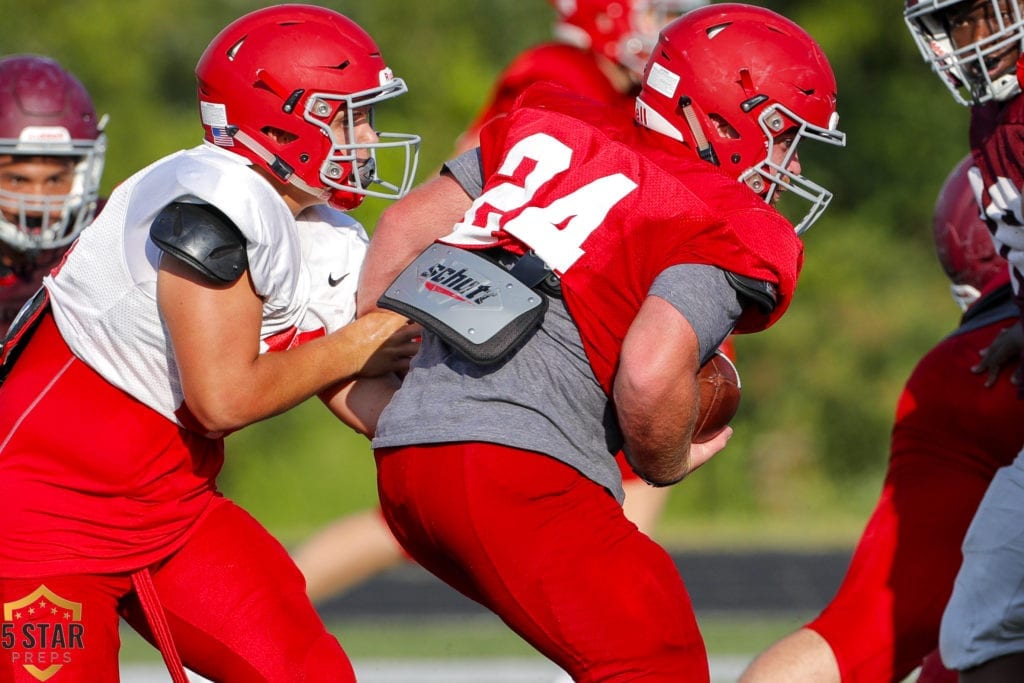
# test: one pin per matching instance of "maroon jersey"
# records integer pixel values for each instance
(18, 284)
(950, 436)
(568, 65)
(997, 146)
(609, 205)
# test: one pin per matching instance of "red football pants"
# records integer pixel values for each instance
(885, 618)
(235, 603)
(548, 551)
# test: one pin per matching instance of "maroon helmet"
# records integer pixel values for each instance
(46, 112)
(962, 239)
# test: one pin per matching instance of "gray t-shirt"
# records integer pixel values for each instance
(544, 397)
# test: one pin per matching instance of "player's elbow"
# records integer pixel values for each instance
(219, 411)
(658, 468)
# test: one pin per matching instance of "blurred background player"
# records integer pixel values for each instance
(600, 53)
(975, 47)
(950, 435)
(600, 49)
(52, 149)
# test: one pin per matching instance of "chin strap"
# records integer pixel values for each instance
(282, 170)
(704, 148)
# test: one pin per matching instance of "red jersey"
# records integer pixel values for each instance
(567, 65)
(609, 205)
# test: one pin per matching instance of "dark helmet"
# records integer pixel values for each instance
(46, 112)
(962, 239)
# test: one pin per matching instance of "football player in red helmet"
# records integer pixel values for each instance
(951, 434)
(754, 104)
(313, 137)
(975, 47)
(52, 149)
(600, 51)
(210, 293)
(629, 236)
(622, 31)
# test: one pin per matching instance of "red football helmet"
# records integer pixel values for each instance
(732, 81)
(962, 239)
(965, 70)
(46, 112)
(624, 31)
(289, 70)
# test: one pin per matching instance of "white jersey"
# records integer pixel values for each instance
(104, 295)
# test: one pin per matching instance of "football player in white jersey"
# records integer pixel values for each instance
(217, 288)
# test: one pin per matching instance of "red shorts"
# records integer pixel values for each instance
(548, 551)
(235, 603)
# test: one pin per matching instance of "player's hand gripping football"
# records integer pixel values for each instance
(385, 340)
(701, 452)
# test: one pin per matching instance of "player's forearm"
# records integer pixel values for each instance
(239, 391)
(360, 403)
(657, 431)
(655, 392)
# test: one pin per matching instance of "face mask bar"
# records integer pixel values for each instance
(964, 295)
(772, 179)
(34, 222)
(362, 173)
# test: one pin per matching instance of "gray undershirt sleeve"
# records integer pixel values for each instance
(703, 295)
(467, 170)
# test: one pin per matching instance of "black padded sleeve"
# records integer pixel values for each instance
(758, 292)
(202, 237)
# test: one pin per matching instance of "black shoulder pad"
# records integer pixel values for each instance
(202, 237)
(760, 293)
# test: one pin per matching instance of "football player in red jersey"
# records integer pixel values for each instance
(975, 47)
(632, 252)
(947, 444)
(52, 149)
(207, 295)
(600, 52)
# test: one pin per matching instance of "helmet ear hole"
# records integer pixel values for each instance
(725, 129)
(281, 137)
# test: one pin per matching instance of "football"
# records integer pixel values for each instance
(719, 385)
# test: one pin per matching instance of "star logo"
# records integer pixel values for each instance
(41, 631)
